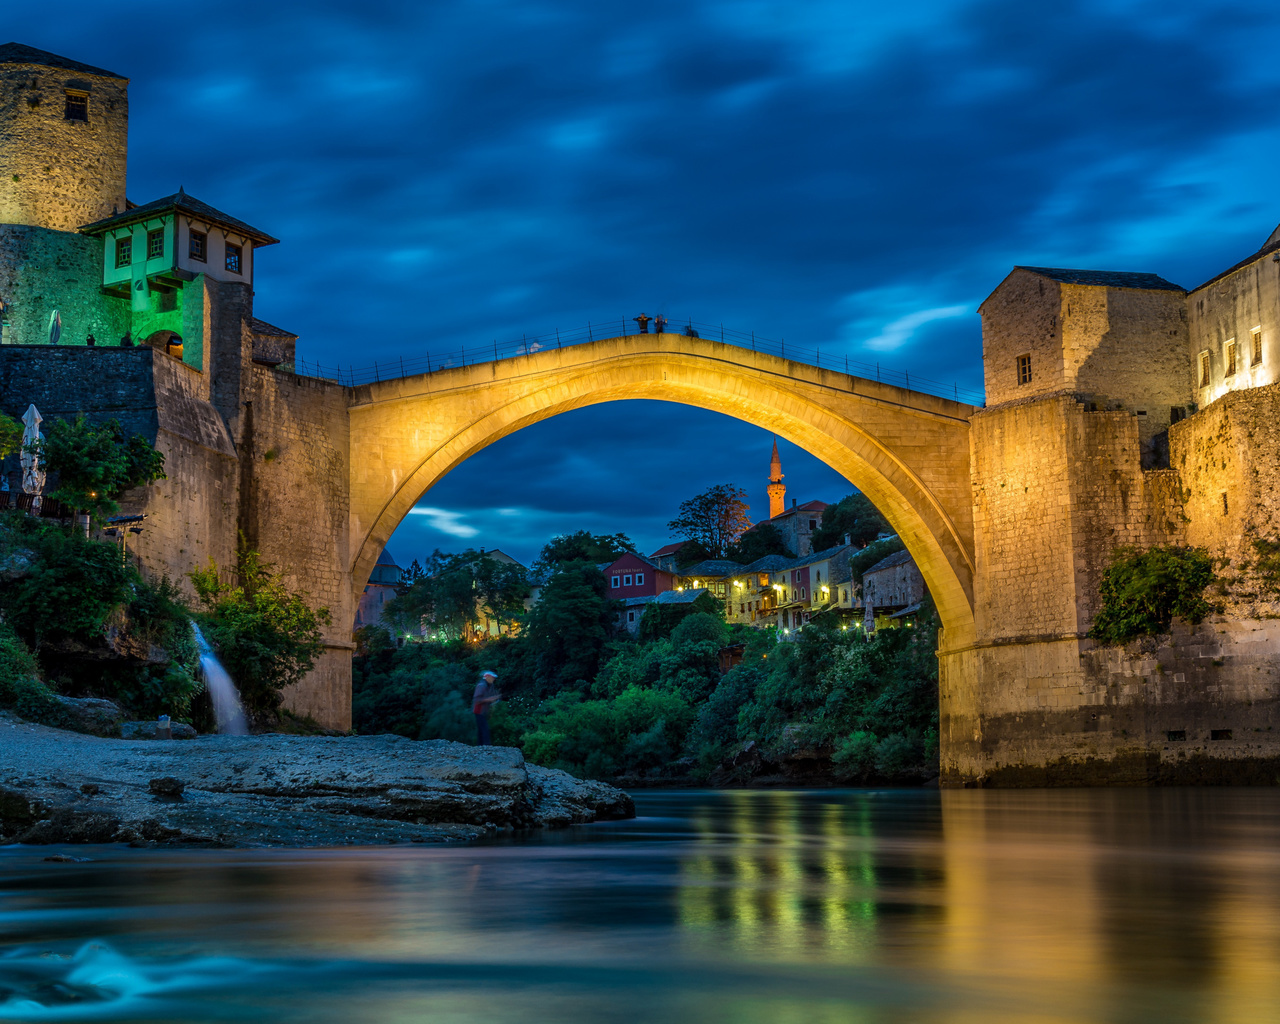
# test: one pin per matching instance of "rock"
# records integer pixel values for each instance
(279, 790)
(168, 786)
(90, 715)
(148, 731)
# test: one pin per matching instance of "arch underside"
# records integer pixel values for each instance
(824, 424)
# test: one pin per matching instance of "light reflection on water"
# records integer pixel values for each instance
(1053, 906)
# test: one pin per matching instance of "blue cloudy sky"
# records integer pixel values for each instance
(853, 176)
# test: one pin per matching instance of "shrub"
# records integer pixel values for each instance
(1143, 590)
(21, 690)
(96, 464)
(266, 637)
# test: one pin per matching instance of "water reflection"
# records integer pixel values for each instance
(1127, 905)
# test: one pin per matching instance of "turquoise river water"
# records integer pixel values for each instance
(855, 905)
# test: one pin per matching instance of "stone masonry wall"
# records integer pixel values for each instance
(1021, 316)
(42, 270)
(57, 173)
(295, 508)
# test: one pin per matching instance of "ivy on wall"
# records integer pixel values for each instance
(1142, 592)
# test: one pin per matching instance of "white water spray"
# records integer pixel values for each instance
(227, 709)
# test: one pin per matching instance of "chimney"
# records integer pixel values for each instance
(793, 502)
(847, 541)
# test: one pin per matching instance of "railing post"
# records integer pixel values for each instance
(589, 337)
(375, 371)
(495, 350)
(557, 337)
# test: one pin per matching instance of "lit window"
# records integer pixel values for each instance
(77, 106)
(615, 581)
(1256, 335)
(626, 580)
(1204, 369)
(198, 246)
(124, 251)
(639, 579)
(155, 244)
(1024, 369)
(233, 258)
(1230, 359)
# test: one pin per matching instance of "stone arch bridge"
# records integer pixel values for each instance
(907, 451)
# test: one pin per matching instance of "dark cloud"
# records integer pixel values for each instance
(854, 177)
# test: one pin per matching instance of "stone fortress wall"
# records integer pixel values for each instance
(1062, 478)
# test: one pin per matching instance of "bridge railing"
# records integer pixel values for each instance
(430, 362)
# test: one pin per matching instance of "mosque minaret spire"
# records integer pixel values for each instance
(777, 489)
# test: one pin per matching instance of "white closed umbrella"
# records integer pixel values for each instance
(32, 473)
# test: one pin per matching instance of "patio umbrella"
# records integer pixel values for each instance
(32, 473)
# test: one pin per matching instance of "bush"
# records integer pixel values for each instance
(1142, 591)
(94, 465)
(21, 690)
(266, 637)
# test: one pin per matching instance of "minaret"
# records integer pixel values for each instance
(777, 489)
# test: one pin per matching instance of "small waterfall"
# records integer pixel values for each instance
(227, 709)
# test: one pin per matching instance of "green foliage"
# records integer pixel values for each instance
(1266, 565)
(454, 591)
(659, 620)
(95, 464)
(1142, 591)
(582, 546)
(569, 626)
(72, 588)
(95, 624)
(599, 738)
(715, 518)
(10, 435)
(266, 636)
(855, 516)
(762, 539)
(691, 552)
(21, 690)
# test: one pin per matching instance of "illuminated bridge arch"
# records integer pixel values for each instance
(908, 452)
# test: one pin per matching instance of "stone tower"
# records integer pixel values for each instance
(63, 139)
(777, 489)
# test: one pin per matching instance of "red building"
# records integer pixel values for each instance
(633, 575)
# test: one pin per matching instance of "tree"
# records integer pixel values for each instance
(582, 546)
(501, 586)
(266, 636)
(96, 464)
(1142, 591)
(855, 516)
(715, 518)
(10, 435)
(569, 626)
(456, 590)
(762, 539)
(411, 575)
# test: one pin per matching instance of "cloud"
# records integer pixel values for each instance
(445, 521)
(897, 333)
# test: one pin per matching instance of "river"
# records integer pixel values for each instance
(740, 906)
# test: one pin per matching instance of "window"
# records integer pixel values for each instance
(813, 525)
(615, 581)
(1177, 414)
(198, 246)
(155, 244)
(1177, 735)
(804, 593)
(1204, 369)
(1230, 359)
(1256, 336)
(631, 616)
(626, 580)
(124, 251)
(639, 579)
(233, 258)
(1219, 734)
(77, 106)
(1024, 369)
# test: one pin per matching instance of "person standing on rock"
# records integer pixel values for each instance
(482, 702)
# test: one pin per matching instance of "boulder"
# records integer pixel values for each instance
(90, 715)
(148, 731)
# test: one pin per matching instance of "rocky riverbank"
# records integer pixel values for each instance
(64, 787)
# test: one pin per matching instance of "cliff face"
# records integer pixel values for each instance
(278, 790)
